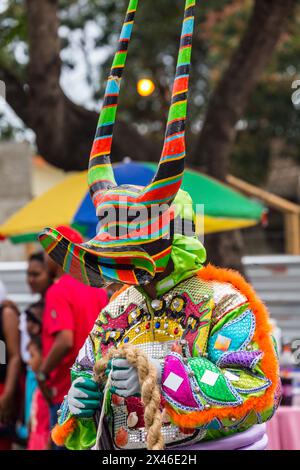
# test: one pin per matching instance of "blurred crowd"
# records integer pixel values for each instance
(41, 345)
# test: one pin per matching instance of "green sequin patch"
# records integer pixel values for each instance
(213, 385)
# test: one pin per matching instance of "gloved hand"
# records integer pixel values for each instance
(84, 397)
(124, 377)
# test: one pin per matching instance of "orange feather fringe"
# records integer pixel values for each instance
(60, 433)
(269, 363)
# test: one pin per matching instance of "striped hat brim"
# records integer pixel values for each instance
(96, 268)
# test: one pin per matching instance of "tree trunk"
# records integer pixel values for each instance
(64, 131)
(48, 107)
(228, 104)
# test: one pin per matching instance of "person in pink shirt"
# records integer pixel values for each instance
(39, 437)
(71, 309)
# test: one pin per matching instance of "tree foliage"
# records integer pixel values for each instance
(88, 32)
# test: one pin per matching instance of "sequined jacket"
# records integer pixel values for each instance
(220, 371)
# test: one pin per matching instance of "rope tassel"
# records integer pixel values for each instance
(150, 392)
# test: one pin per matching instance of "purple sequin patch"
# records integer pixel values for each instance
(246, 359)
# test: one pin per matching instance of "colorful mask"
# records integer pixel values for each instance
(136, 224)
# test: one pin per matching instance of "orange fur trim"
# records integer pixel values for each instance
(269, 363)
(61, 432)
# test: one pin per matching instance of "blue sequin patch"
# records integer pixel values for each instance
(240, 331)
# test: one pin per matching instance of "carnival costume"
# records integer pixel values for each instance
(205, 339)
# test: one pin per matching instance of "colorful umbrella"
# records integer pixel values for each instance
(69, 203)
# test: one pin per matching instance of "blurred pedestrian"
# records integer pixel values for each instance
(10, 368)
(70, 311)
(39, 436)
(38, 277)
(38, 280)
(34, 318)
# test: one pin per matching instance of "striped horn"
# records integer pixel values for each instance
(168, 178)
(100, 173)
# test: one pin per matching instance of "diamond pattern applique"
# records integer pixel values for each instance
(173, 382)
(230, 376)
(209, 378)
(222, 343)
(214, 387)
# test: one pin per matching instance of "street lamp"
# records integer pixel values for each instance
(145, 87)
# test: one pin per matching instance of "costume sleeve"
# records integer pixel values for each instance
(234, 383)
(73, 432)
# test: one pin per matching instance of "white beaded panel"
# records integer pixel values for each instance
(156, 350)
(195, 288)
(122, 301)
(226, 297)
(137, 437)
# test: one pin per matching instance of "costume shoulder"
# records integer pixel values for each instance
(120, 300)
(239, 342)
(230, 285)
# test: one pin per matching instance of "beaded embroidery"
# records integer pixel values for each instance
(86, 358)
(175, 316)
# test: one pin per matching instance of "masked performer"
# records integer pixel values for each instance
(203, 331)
